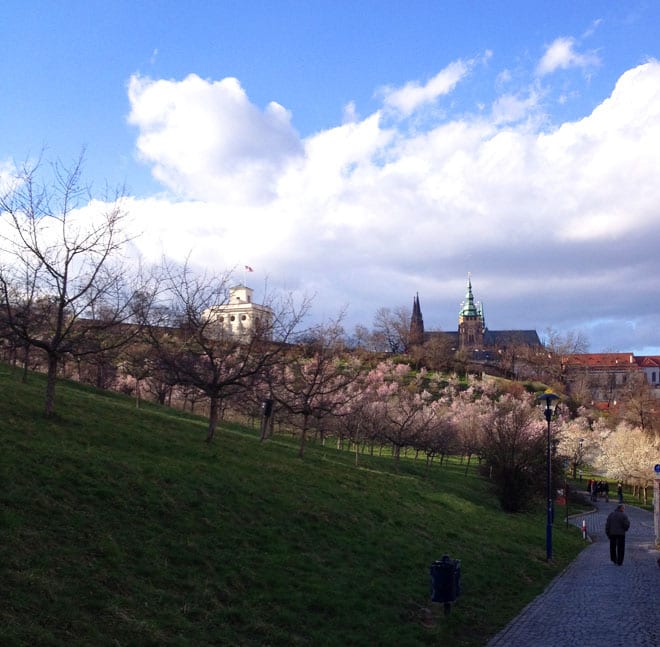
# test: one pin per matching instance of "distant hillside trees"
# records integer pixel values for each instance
(391, 330)
(61, 284)
(137, 371)
(471, 414)
(626, 454)
(406, 411)
(577, 440)
(436, 354)
(556, 346)
(311, 383)
(318, 387)
(610, 445)
(639, 406)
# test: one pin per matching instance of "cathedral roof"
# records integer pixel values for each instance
(489, 339)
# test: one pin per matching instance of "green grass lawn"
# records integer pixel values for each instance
(120, 526)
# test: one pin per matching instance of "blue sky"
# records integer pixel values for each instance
(367, 151)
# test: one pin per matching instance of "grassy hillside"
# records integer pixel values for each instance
(121, 526)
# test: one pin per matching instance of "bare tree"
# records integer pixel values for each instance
(547, 363)
(391, 330)
(399, 400)
(436, 353)
(312, 382)
(60, 252)
(513, 449)
(196, 352)
(639, 406)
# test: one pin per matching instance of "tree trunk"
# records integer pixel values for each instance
(266, 428)
(50, 384)
(397, 453)
(213, 418)
(303, 436)
(26, 363)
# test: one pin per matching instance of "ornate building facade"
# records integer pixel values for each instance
(240, 317)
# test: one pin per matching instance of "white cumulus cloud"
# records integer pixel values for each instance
(206, 139)
(412, 95)
(562, 54)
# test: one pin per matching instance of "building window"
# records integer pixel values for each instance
(232, 318)
(243, 317)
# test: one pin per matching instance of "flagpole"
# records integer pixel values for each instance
(246, 269)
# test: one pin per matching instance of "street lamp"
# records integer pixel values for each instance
(550, 399)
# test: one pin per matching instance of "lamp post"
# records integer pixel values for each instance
(549, 399)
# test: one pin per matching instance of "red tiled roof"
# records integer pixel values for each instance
(648, 360)
(601, 360)
(605, 406)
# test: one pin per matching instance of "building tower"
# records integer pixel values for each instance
(471, 324)
(416, 335)
(240, 317)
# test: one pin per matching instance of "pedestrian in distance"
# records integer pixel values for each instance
(616, 527)
(619, 491)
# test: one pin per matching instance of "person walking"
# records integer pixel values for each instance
(616, 526)
(619, 491)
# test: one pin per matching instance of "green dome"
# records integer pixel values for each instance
(469, 309)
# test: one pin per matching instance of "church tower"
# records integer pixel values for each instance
(240, 317)
(416, 335)
(471, 324)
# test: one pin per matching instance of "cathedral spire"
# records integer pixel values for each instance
(416, 336)
(468, 308)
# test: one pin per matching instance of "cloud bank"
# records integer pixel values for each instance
(557, 222)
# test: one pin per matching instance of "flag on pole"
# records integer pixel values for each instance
(248, 269)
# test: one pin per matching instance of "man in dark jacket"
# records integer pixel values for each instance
(616, 526)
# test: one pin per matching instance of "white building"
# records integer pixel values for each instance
(240, 316)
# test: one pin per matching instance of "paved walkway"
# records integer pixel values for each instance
(595, 603)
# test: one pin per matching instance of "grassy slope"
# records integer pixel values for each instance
(121, 526)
